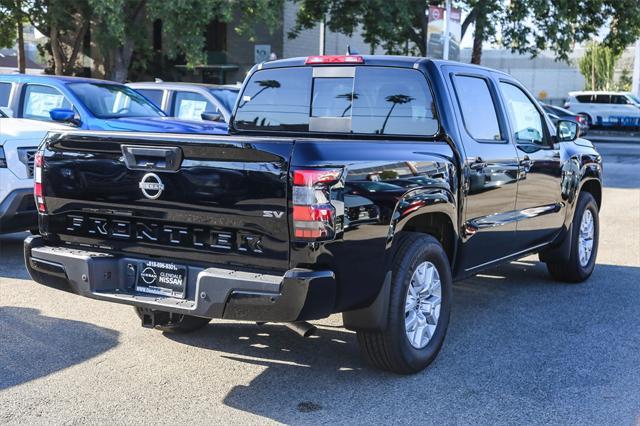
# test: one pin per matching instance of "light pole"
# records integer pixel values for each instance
(636, 71)
(447, 19)
(323, 29)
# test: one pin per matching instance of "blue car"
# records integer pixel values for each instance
(91, 104)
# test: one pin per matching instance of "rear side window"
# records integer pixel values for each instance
(39, 100)
(603, 99)
(584, 99)
(360, 100)
(155, 96)
(5, 91)
(478, 110)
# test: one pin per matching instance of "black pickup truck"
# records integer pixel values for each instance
(363, 185)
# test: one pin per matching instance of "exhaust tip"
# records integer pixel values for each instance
(303, 328)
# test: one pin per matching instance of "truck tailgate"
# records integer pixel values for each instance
(198, 198)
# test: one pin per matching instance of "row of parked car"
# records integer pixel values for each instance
(92, 104)
(30, 106)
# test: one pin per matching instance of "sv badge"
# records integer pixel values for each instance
(272, 213)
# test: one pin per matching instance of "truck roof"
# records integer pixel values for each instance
(378, 60)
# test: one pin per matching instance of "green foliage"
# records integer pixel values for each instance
(524, 26)
(529, 26)
(598, 66)
(120, 27)
(625, 82)
(8, 23)
(386, 23)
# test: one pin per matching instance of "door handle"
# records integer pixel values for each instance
(526, 162)
(152, 158)
(476, 163)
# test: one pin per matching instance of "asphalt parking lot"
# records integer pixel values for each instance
(521, 348)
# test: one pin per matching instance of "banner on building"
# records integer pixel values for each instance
(435, 33)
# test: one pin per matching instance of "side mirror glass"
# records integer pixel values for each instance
(63, 115)
(208, 116)
(567, 131)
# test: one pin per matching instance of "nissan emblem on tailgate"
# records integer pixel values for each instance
(151, 186)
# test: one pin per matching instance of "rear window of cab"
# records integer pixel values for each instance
(356, 100)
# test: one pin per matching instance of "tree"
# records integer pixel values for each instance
(391, 23)
(524, 26)
(484, 14)
(598, 66)
(386, 23)
(529, 26)
(65, 23)
(11, 29)
(122, 26)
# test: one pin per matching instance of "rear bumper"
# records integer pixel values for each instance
(18, 211)
(299, 294)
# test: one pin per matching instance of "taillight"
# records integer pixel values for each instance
(580, 119)
(37, 188)
(334, 59)
(313, 214)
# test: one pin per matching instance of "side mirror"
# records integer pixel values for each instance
(208, 116)
(63, 115)
(567, 131)
(7, 111)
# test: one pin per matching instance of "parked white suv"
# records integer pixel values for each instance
(19, 140)
(606, 108)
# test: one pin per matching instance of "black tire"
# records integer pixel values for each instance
(179, 323)
(390, 349)
(571, 270)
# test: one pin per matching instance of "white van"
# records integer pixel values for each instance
(606, 108)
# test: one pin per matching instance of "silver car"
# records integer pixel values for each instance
(191, 101)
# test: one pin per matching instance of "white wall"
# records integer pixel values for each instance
(539, 74)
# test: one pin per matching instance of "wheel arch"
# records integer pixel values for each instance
(428, 211)
(594, 187)
(431, 212)
(437, 224)
(561, 249)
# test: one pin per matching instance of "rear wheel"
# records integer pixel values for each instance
(584, 244)
(177, 323)
(419, 309)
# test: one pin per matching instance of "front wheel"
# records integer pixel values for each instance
(584, 244)
(419, 309)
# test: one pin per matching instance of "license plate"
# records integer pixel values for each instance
(161, 278)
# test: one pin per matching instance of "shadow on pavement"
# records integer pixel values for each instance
(11, 257)
(33, 346)
(519, 346)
